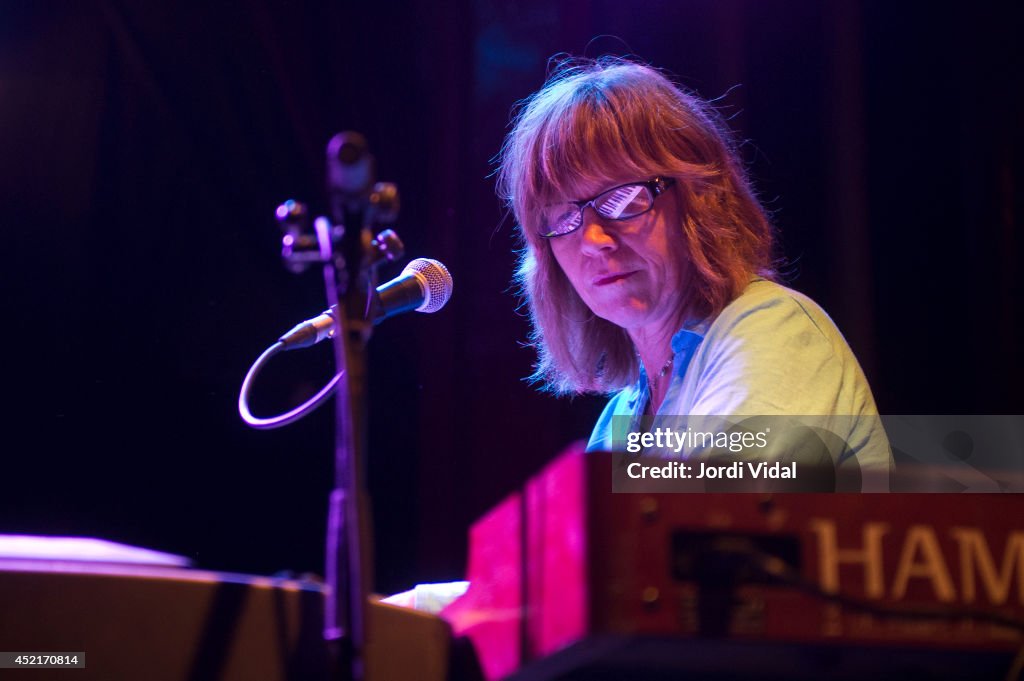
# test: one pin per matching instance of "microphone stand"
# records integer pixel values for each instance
(348, 549)
(349, 256)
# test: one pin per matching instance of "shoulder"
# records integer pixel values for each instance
(774, 350)
(765, 300)
(770, 314)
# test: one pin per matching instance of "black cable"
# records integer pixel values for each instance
(289, 416)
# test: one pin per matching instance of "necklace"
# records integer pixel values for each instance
(655, 378)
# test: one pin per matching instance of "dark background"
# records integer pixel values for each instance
(144, 146)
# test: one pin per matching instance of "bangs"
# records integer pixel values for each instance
(581, 149)
(590, 131)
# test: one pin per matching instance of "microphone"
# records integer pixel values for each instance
(424, 285)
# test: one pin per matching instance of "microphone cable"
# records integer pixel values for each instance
(287, 417)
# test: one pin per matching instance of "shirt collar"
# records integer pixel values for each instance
(683, 343)
(689, 336)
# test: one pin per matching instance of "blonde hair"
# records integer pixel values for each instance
(595, 120)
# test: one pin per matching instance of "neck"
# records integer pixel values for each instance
(654, 345)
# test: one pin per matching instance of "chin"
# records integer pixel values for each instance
(628, 316)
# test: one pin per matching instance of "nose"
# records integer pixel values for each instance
(596, 236)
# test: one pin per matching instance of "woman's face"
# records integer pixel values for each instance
(629, 272)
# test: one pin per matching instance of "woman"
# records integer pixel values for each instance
(648, 267)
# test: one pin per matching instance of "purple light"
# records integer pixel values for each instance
(83, 549)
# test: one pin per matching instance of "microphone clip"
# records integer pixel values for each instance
(300, 246)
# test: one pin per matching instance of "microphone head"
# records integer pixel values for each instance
(435, 280)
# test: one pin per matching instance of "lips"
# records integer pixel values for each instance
(610, 278)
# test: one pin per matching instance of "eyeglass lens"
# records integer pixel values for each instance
(619, 203)
(623, 202)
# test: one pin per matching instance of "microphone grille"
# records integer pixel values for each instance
(436, 280)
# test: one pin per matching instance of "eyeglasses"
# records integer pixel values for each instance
(618, 203)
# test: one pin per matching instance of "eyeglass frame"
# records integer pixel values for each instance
(656, 186)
